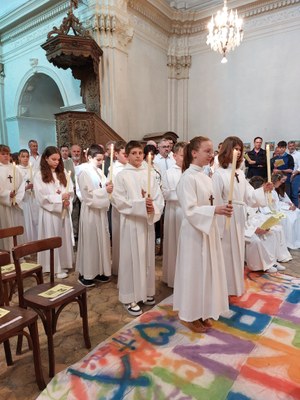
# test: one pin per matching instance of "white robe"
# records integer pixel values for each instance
(11, 215)
(263, 251)
(115, 225)
(93, 254)
(49, 199)
(233, 239)
(137, 237)
(200, 281)
(291, 222)
(30, 207)
(172, 223)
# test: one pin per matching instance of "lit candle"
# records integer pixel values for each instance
(149, 158)
(14, 184)
(67, 191)
(230, 194)
(111, 162)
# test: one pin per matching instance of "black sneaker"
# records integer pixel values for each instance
(102, 278)
(86, 282)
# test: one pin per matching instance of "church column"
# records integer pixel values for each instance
(3, 130)
(112, 31)
(179, 62)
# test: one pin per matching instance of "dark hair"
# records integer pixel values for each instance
(257, 181)
(4, 148)
(149, 148)
(131, 145)
(277, 177)
(14, 157)
(119, 145)
(32, 141)
(94, 150)
(193, 145)
(225, 155)
(46, 172)
(282, 143)
(64, 145)
(178, 146)
(258, 137)
(23, 151)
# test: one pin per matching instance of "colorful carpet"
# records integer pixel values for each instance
(251, 353)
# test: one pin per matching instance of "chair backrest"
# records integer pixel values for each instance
(4, 260)
(11, 232)
(27, 249)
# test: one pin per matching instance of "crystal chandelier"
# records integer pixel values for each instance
(225, 31)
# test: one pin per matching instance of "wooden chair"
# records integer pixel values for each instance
(9, 278)
(49, 309)
(13, 320)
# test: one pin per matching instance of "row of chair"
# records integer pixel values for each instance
(18, 318)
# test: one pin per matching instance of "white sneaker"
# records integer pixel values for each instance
(133, 309)
(280, 267)
(271, 270)
(61, 275)
(150, 301)
(285, 260)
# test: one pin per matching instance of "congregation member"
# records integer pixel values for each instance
(139, 201)
(29, 204)
(118, 166)
(77, 159)
(233, 237)
(93, 255)
(295, 178)
(200, 291)
(156, 172)
(163, 160)
(173, 215)
(256, 160)
(34, 158)
(283, 162)
(265, 248)
(12, 190)
(54, 192)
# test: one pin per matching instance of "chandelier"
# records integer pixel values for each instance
(225, 31)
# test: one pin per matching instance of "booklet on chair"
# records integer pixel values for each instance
(3, 312)
(56, 291)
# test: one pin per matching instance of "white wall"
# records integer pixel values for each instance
(256, 93)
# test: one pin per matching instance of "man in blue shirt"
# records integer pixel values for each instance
(283, 162)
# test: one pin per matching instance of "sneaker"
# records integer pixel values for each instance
(271, 270)
(285, 260)
(61, 275)
(150, 301)
(157, 241)
(280, 267)
(133, 309)
(85, 282)
(102, 278)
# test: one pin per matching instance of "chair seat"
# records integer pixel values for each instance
(32, 296)
(9, 272)
(27, 318)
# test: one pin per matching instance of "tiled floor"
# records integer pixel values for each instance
(106, 316)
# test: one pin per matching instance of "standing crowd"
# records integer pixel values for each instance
(109, 203)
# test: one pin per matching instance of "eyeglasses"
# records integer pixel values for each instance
(164, 147)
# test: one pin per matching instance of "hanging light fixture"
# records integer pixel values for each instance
(225, 31)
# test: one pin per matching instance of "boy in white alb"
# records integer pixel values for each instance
(139, 211)
(173, 215)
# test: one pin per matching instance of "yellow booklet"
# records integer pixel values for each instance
(278, 163)
(24, 267)
(28, 266)
(272, 221)
(8, 268)
(56, 291)
(3, 312)
(247, 157)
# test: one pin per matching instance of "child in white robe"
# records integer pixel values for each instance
(93, 254)
(118, 166)
(200, 291)
(233, 238)
(139, 211)
(173, 215)
(54, 192)
(12, 190)
(30, 207)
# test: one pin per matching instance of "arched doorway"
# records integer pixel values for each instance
(40, 99)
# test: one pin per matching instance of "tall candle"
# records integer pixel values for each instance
(111, 162)
(14, 183)
(268, 162)
(30, 175)
(149, 158)
(67, 191)
(230, 194)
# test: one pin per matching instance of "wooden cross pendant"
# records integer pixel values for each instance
(28, 181)
(10, 178)
(211, 199)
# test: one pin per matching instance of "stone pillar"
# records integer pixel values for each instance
(179, 62)
(3, 130)
(110, 26)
